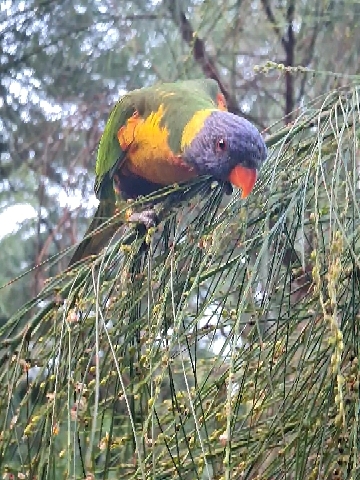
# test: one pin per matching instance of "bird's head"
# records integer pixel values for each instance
(229, 148)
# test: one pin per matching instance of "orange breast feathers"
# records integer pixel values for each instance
(148, 152)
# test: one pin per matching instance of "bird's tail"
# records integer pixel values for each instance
(96, 237)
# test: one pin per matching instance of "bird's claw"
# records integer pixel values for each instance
(146, 217)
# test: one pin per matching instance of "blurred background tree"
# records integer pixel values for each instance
(64, 64)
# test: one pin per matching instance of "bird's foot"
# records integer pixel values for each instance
(147, 217)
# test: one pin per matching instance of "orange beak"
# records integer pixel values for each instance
(243, 178)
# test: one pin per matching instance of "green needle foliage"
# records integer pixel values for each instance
(223, 345)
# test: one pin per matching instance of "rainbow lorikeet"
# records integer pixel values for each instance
(166, 134)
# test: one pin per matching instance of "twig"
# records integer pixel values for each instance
(206, 61)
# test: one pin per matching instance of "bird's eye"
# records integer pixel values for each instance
(221, 145)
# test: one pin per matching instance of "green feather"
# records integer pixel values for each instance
(110, 155)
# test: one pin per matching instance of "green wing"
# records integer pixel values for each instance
(110, 155)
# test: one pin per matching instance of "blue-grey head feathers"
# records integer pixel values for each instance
(225, 141)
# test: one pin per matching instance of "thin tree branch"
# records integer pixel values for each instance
(288, 42)
(271, 17)
(51, 235)
(289, 45)
(204, 60)
(310, 50)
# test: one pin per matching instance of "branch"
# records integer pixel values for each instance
(51, 236)
(289, 45)
(206, 61)
(307, 60)
(271, 17)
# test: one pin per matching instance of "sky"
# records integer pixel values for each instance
(11, 217)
